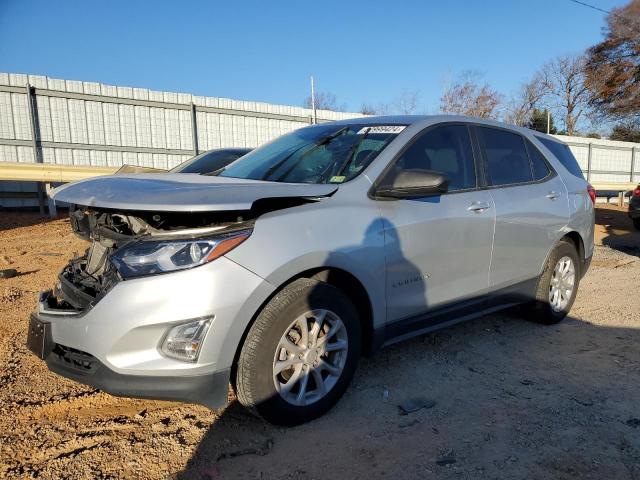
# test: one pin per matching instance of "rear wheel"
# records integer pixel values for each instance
(558, 285)
(300, 354)
(636, 223)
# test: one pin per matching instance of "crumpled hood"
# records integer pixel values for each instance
(180, 192)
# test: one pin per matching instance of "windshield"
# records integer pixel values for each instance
(211, 161)
(332, 153)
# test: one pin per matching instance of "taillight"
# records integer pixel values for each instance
(592, 193)
(636, 192)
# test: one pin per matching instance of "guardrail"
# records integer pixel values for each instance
(51, 173)
(615, 187)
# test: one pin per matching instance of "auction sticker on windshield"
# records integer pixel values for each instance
(382, 129)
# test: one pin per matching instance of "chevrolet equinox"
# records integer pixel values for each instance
(277, 272)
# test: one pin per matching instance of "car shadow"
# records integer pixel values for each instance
(491, 375)
(379, 235)
(498, 395)
(619, 232)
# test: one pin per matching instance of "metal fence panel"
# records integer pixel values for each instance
(607, 161)
(93, 124)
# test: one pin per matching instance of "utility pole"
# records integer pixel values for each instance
(313, 102)
(548, 121)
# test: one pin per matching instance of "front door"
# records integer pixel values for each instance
(438, 248)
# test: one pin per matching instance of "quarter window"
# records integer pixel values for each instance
(538, 163)
(446, 150)
(506, 156)
(563, 153)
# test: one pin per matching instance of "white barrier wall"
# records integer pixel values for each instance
(606, 160)
(151, 128)
(87, 123)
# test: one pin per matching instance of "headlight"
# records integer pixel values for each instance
(184, 342)
(148, 257)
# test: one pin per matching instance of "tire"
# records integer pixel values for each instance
(636, 223)
(276, 338)
(543, 309)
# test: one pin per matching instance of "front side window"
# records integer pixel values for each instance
(506, 156)
(333, 153)
(446, 150)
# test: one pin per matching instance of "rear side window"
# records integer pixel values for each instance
(563, 153)
(506, 156)
(445, 150)
(538, 163)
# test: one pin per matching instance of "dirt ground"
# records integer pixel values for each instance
(512, 399)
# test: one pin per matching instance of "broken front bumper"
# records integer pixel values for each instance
(207, 389)
(115, 344)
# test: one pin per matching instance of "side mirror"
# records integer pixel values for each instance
(412, 184)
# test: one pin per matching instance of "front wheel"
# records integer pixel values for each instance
(300, 354)
(557, 286)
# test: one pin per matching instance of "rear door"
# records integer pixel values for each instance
(531, 206)
(438, 248)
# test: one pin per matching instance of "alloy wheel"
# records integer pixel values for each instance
(562, 284)
(310, 357)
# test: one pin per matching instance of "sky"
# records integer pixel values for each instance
(360, 51)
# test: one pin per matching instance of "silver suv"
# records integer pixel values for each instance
(330, 242)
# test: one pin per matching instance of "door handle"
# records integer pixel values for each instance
(552, 195)
(478, 207)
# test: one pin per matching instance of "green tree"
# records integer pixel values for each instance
(613, 65)
(539, 121)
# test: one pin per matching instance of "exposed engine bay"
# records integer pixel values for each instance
(88, 277)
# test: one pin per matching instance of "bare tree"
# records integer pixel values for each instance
(467, 96)
(368, 109)
(564, 83)
(371, 109)
(407, 102)
(404, 104)
(519, 109)
(325, 101)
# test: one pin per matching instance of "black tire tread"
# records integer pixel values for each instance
(253, 342)
(540, 311)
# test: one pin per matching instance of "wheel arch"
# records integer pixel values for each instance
(577, 240)
(337, 277)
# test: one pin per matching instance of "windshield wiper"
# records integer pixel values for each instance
(352, 154)
(277, 165)
(331, 136)
(313, 146)
(215, 172)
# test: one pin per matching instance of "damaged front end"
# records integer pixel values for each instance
(132, 244)
(148, 224)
